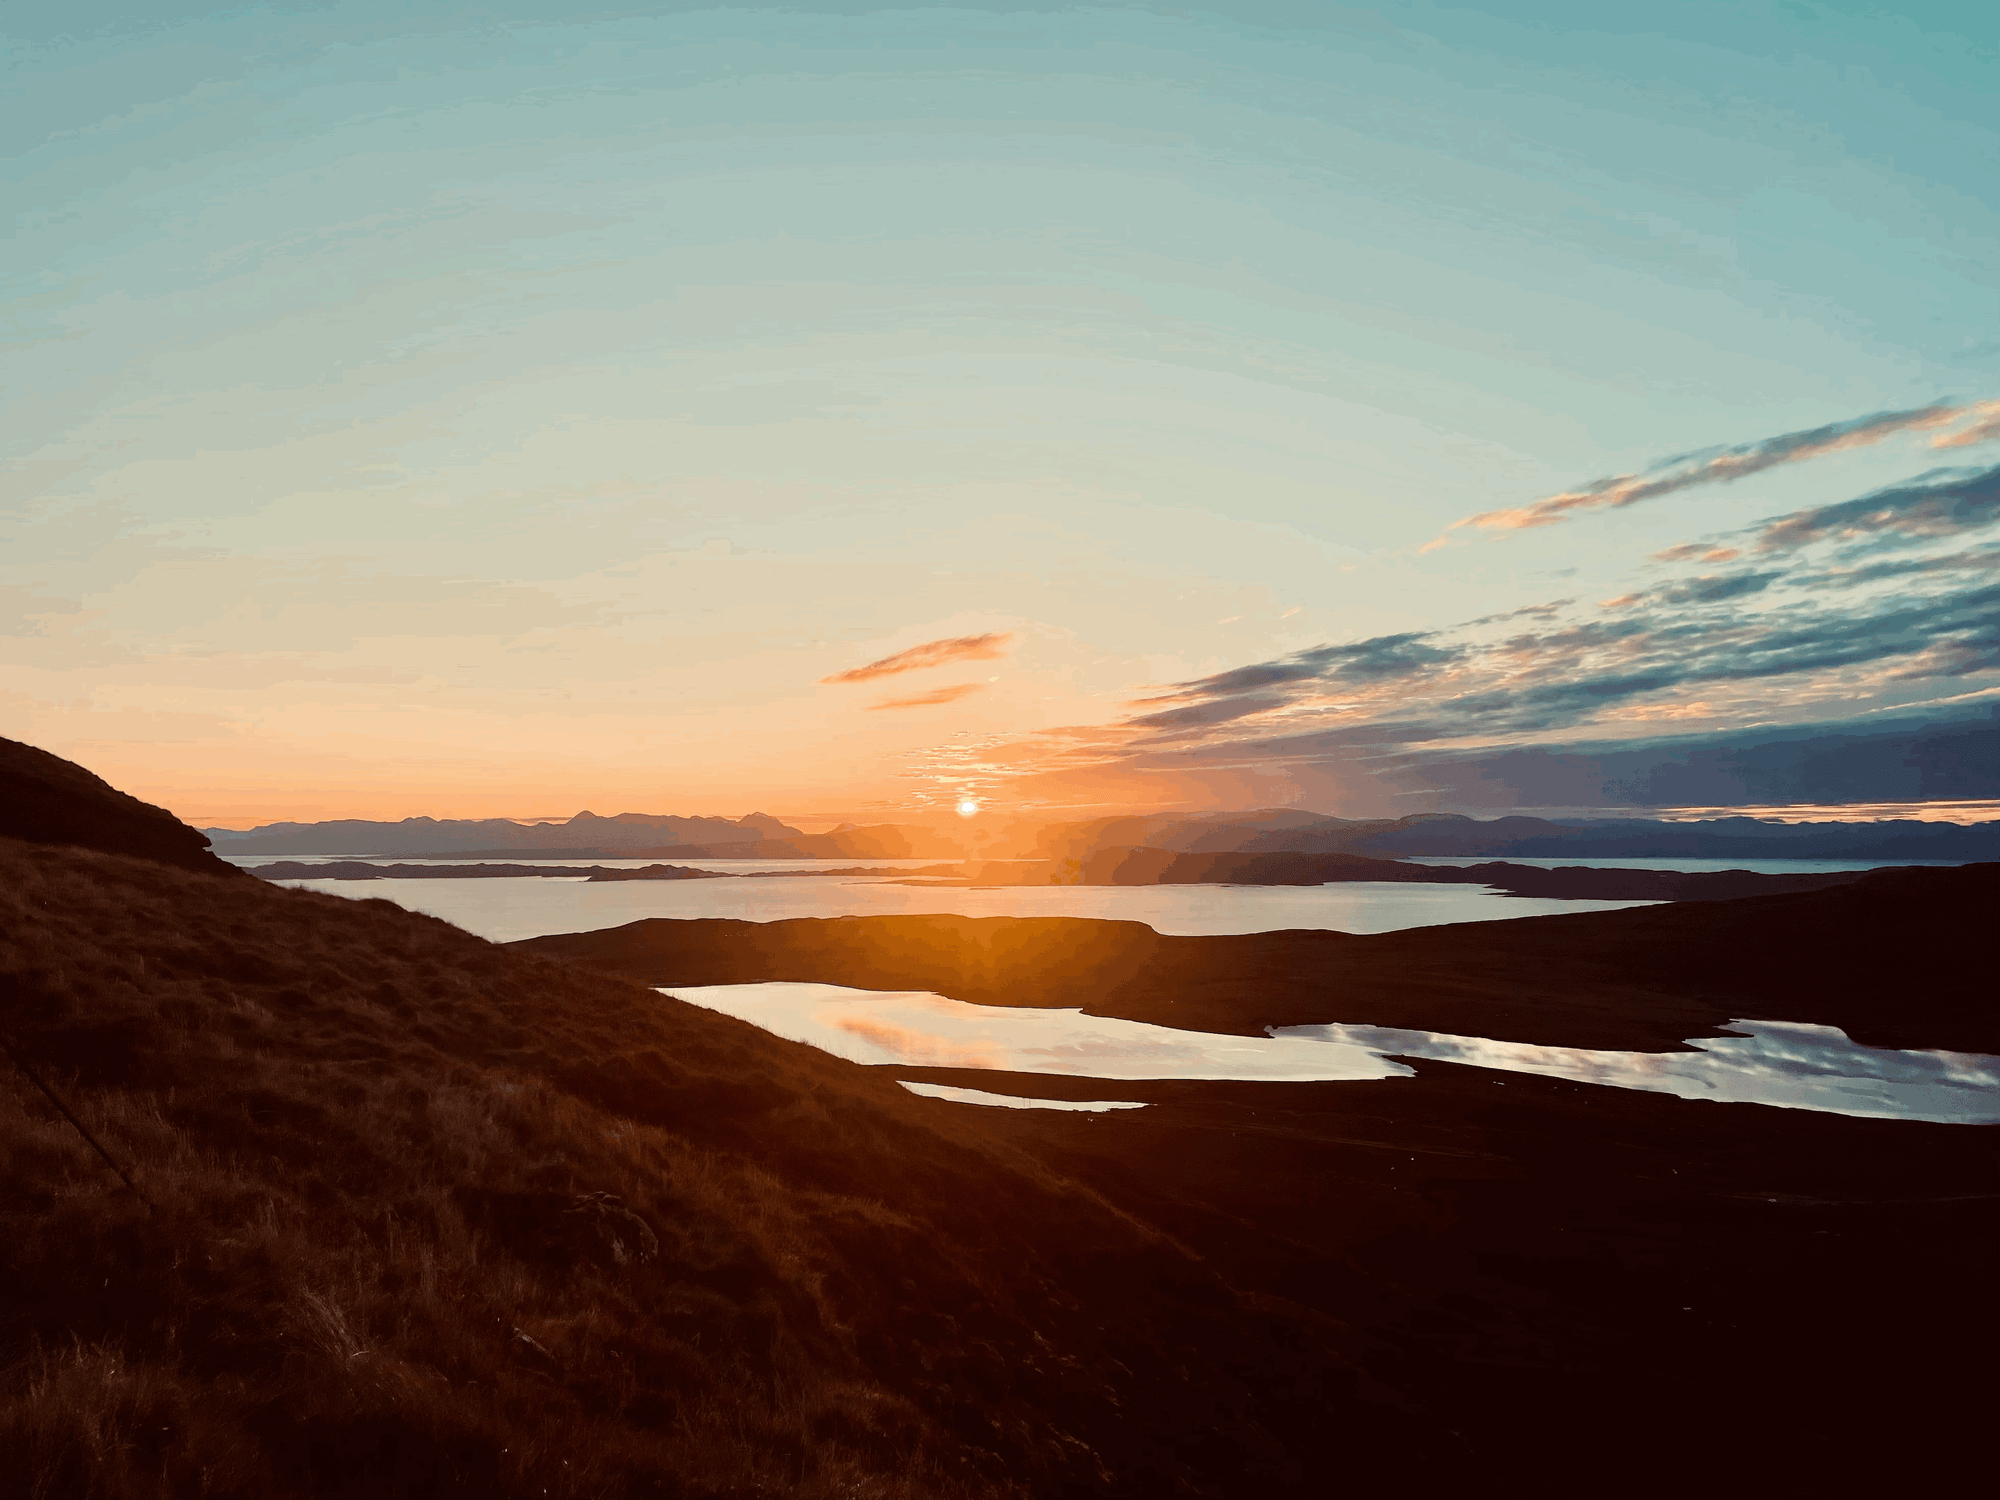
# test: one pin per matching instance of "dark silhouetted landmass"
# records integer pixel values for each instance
(1284, 830)
(47, 799)
(627, 836)
(651, 836)
(1892, 957)
(429, 836)
(351, 869)
(1148, 867)
(1121, 866)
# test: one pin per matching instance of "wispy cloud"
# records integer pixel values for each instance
(1216, 711)
(934, 696)
(1721, 467)
(988, 647)
(1382, 656)
(1984, 428)
(1825, 608)
(1713, 552)
(1705, 649)
(1941, 503)
(1975, 560)
(1712, 589)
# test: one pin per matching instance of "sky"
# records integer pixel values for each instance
(846, 411)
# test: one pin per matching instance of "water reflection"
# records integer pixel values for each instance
(1782, 1063)
(915, 1028)
(1772, 1062)
(1014, 1101)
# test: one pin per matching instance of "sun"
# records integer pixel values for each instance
(968, 807)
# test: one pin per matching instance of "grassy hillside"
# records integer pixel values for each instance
(418, 1215)
(433, 1217)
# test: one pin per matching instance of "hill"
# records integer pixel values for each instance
(382, 1259)
(410, 1214)
(46, 799)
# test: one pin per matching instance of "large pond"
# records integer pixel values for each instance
(1771, 1062)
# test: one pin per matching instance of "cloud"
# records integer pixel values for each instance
(1757, 643)
(1976, 560)
(1805, 763)
(1721, 467)
(1706, 590)
(1359, 661)
(1527, 612)
(934, 696)
(930, 654)
(1697, 552)
(1216, 711)
(1601, 670)
(1915, 511)
(1984, 428)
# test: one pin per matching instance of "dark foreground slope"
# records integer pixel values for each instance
(380, 1258)
(1897, 958)
(1581, 1290)
(46, 799)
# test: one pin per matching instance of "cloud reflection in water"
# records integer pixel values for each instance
(919, 1029)
(1782, 1063)
(1779, 1063)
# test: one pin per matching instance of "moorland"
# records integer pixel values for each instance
(385, 1209)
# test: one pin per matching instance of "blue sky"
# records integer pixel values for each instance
(484, 410)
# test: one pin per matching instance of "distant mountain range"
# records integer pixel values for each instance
(628, 835)
(1268, 831)
(1284, 831)
(585, 832)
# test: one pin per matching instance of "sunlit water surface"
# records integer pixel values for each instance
(1774, 1062)
(927, 1030)
(504, 909)
(1012, 1101)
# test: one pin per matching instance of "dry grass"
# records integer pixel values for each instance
(384, 1261)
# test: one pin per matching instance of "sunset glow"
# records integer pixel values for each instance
(688, 413)
(952, 752)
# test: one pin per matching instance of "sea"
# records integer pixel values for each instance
(503, 909)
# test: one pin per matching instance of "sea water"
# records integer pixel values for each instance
(504, 909)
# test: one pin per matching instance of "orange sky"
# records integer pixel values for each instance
(418, 417)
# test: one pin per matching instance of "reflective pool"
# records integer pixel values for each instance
(914, 1027)
(1779, 1063)
(1014, 1101)
(1783, 1063)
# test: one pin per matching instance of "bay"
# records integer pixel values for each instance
(503, 910)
